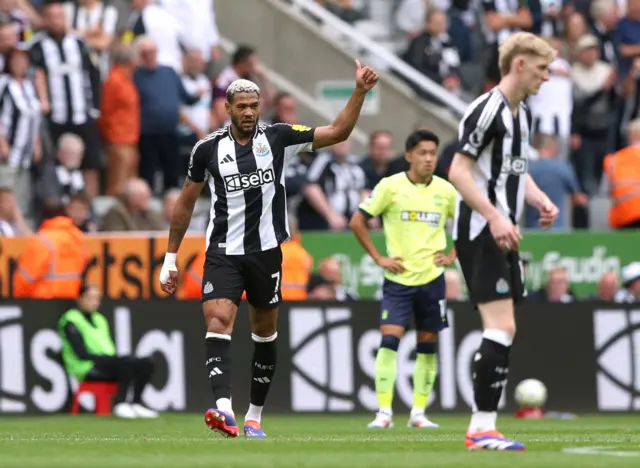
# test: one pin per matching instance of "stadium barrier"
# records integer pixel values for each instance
(128, 266)
(586, 353)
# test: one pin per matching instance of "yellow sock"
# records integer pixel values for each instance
(424, 377)
(386, 368)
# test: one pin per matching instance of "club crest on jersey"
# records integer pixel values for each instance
(261, 150)
(432, 219)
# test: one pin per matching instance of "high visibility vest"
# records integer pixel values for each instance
(296, 265)
(95, 335)
(623, 171)
(52, 262)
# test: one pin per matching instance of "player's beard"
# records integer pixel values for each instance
(237, 123)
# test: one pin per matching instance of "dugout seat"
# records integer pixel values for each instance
(103, 392)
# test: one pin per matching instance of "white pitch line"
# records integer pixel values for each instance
(600, 451)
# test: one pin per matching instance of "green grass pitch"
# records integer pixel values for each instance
(179, 440)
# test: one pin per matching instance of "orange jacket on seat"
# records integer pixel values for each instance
(623, 171)
(52, 262)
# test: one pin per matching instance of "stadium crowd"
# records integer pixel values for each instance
(101, 102)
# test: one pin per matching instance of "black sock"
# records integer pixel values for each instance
(125, 372)
(490, 369)
(219, 366)
(265, 354)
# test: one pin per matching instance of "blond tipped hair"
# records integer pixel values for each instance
(523, 43)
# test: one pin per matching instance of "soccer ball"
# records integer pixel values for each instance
(531, 393)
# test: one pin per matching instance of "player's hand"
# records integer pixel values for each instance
(505, 233)
(443, 260)
(548, 214)
(366, 78)
(394, 265)
(169, 274)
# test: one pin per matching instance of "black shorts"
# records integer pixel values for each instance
(260, 274)
(490, 273)
(426, 303)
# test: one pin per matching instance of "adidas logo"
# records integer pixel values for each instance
(208, 288)
(227, 159)
(215, 371)
(274, 300)
(262, 379)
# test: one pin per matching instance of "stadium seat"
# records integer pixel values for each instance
(103, 393)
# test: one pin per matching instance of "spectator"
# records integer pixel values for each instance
(503, 18)
(68, 157)
(79, 210)
(89, 354)
(376, 164)
(320, 290)
(11, 219)
(605, 15)
(557, 179)
(196, 118)
(132, 210)
(20, 145)
(552, 107)
(593, 85)
(152, 21)
(433, 54)
(623, 175)
(630, 291)
(330, 272)
(575, 27)
(296, 267)
(120, 120)
(628, 30)
(244, 64)
(197, 22)
(66, 62)
(11, 12)
(8, 41)
(161, 94)
(453, 282)
(335, 187)
(631, 93)
(168, 204)
(285, 109)
(557, 288)
(53, 261)
(607, 287)
(94, 21)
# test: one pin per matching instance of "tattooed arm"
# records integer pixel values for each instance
(182, 213)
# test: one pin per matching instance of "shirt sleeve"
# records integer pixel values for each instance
(299, 136)
(197, 171)
(378, 200)
(477, 126)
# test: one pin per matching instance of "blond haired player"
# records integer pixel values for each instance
(490, 173)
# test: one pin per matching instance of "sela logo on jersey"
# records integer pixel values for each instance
(238, 182)
(514, 165)
(432, 219)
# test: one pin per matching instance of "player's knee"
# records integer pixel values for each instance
(220, 315)
(390, 342)
(427, 347)
(427, 336)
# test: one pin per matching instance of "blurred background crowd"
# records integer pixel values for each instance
(102, 101)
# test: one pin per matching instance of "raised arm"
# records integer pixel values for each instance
(346, 120)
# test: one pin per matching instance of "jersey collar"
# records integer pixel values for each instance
(406, 173)
(255, 134)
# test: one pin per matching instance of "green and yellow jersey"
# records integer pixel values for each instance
(414, 217)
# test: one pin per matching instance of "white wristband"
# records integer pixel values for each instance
(170, 259)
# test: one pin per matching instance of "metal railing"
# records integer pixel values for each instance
(400, 67)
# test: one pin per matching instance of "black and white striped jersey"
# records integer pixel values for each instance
(247, 184)
(499, 143)
(73, 81)
(102, 15)
(20, 116)
(506, 7)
